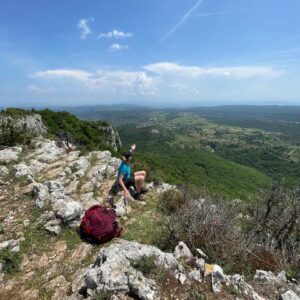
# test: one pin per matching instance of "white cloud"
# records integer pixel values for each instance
(111, 81)
(240, 72)
(167, 80)
(118, 47)
(116, 34)
(182, 20)
(63, 73)
(39, 91)
(84, 26)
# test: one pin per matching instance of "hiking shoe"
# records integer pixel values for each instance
(111, 201)
(144, 190)
(139, 197)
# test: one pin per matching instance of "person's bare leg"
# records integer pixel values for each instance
(139, 182)
(140, 173)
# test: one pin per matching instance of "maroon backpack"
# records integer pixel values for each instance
(99, 224)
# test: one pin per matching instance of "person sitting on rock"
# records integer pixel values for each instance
(126, 178)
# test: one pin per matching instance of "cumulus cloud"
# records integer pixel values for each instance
(118, 47)
(112, 81)
(117, 34)
(64, 73)
(39, 91)
(240, 72)
(84, 27)
(167, 79)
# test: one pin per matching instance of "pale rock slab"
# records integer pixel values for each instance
(9, 155)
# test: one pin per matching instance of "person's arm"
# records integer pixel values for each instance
(121, 182)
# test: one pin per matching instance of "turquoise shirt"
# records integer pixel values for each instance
(125, 170)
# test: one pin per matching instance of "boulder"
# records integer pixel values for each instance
(53, 226)
(195, 275)
(4, 171)
(55, 186)
(265, 276)
(181, 277)
(182, 251)
(22, 170)
(36, 166)
(289, 295)
(70, 211)
(113, 270)
(33, 124)
(47, 151)
(11, 245)
(41, 194)
(238, 283)
(81, 164)
(217, 278)
(163, 187)
(200, 264)
(9, 155)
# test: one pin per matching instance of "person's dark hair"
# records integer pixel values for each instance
(127, 155)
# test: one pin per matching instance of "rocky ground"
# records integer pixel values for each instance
(44, 190)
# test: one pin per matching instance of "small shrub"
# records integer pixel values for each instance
(195, 294)
(147, 266)
(274, 224)
(172, 201)
(11, 261)
(103, 296)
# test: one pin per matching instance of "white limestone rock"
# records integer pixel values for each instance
(113, 270)
(41, 194)
(47, 151)
(238, 282)
(53, 226)
(70, 211)
(218, 278)
(33, 124)
(265, 276)
(4, 171)
(195, 275)
(201, 253)
(182, 251)
(9, 155)
(289, 295)
(22, 170)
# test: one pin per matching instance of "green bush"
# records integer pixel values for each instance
(196, 294)
(172, 201)
(11, 261)
(147, 266)
(10, 136)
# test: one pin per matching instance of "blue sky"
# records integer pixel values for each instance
(158, 52)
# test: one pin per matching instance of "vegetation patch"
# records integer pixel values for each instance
(71, 237)
(196, 294)
(147, 266)
(10, 261)
(103, 296)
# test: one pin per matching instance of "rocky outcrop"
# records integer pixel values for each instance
(10, 155)
(114, 271)
(28, 123)
(289, 295)
(110, 134)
